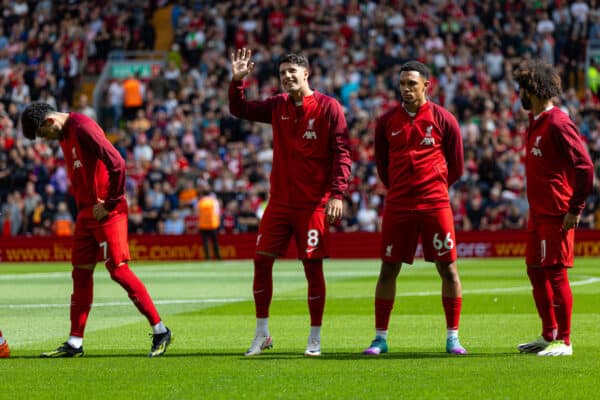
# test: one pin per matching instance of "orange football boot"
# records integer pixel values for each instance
(4, 350)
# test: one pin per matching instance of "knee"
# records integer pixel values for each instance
(448, 272)
(117, 271)
(263, 264)
(389, 272)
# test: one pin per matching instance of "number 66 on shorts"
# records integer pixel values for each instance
(401, 232)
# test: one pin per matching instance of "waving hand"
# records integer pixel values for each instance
(241, 64)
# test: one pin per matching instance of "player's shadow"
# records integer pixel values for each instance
(412, 356)
(337, 356)
(133, 355)
(344, 356)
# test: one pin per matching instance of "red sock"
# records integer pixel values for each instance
(0, 332)
(137, 292)
(81, 299)
(262, 286)
(563, 301)
(313, 269)
(542, 295)
(383, 310)
(452, 307)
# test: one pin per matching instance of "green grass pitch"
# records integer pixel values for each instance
(209, 308)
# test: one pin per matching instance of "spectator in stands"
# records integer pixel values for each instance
(588, 214)
(247, 220)
(502, 34)
(349, 221)
(475, 210)
(115, 101)
(368, 216)
(174, 224)
(63, 221)
(158, 85)
(514, 219)
(85, 108)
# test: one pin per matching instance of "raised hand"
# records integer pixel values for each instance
(241, 64)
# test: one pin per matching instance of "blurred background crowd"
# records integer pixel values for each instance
(174, 130)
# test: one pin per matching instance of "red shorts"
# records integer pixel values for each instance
(401, 232)
(309, 228)
(548, 244)
(104, 240)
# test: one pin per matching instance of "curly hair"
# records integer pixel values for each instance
(294, 59)
(539, 78)
(417, 66)
(33, 118)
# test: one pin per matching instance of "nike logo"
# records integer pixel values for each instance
(441, 253)
(258, 291)
(311, 249)
(313, 297)
(284, 117)
(396, 133)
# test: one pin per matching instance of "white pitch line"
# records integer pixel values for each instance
(128, 303)
(587, 281)
(183, 274)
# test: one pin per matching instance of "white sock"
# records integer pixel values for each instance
(381, 333)
(2, 340)
(452, 333)
(315, 332)
(75, 341)
(159, 328)
(262, 327)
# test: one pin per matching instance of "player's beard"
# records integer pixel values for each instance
(525, 101)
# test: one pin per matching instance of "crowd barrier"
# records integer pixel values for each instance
(343, 245)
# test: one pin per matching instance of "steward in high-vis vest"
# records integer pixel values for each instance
(209, 220)
(133, 97)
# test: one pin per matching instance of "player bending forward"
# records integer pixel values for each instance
(97, 174)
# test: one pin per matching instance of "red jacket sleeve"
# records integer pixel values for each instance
(382, 154)
(256, 110)
(342, 160)
(94, 139)
(453, 148)
(568, 138)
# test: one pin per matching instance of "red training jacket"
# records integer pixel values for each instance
(311, 146)
(560, 173)
(95, 167)
(418, 157)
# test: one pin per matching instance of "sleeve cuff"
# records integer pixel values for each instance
(110, 205)
(575, 210)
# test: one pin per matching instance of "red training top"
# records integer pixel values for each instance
(311, 150)
(95, 167)
(418, 156)
(560, 173)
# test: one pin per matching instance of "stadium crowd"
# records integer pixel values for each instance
(178, 136)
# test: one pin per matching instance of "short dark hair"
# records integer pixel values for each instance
(539, 78)
(296, 59)
(416, 66)
(33, 117)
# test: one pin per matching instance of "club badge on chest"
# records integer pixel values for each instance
(310, 134)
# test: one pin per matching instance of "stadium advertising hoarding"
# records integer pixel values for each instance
(343, 245)
(124, 70)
